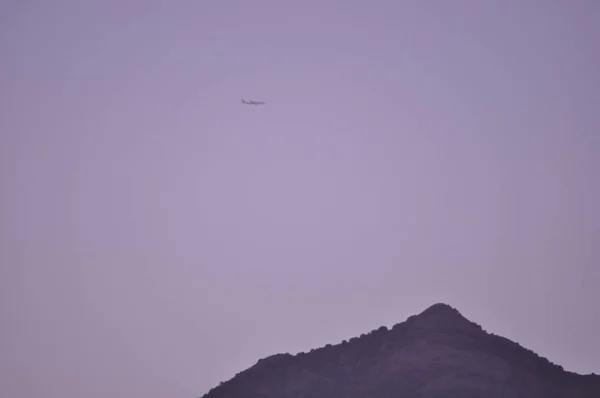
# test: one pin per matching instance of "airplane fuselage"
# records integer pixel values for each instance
(252, 102)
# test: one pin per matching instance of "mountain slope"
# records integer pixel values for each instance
(436, 354)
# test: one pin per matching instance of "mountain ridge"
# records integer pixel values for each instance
(437, 353)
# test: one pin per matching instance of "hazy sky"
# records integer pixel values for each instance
(157, 236)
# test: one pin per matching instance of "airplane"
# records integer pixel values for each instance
(252, 102)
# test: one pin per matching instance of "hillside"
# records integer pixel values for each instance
(436, 354)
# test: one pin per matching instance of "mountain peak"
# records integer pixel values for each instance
(441, 310)
(435, 353)
(442, 318)
(438, 307)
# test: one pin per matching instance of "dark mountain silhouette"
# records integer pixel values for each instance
(436, 354)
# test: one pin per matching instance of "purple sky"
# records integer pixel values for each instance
(157, 237)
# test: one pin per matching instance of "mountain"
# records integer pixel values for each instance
(436, 354)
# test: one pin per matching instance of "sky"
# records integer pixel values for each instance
(157, 236)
